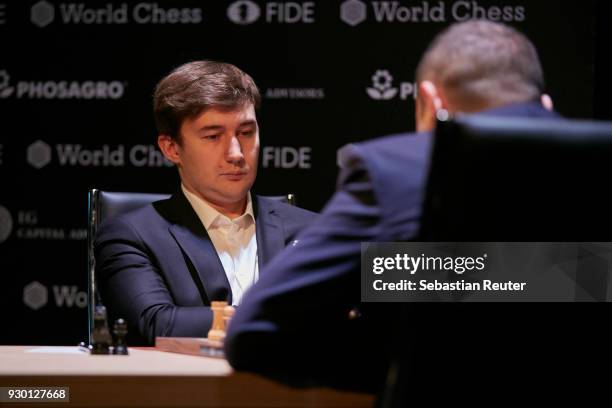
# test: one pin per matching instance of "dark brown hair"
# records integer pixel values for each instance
(196, 86)
(481, 64)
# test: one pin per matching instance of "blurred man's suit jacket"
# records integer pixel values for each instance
(294, 324)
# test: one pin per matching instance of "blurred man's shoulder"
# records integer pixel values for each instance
(403, 149)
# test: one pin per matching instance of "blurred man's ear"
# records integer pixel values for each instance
(169, 147)
(547, 102)
(429, 101)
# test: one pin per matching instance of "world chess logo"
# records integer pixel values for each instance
(42, 14)
(2, 14)
(6, 224)
(5, 81)
(353, 12)
(39, 154)
(382, 86)
(35, 295)
(243, 12)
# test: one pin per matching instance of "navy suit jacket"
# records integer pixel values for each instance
(157, 268)
(299, 324)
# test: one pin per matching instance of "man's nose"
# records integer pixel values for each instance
(234, 151)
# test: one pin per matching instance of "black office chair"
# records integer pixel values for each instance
(519, 179)
(103, 205)
(502, 179)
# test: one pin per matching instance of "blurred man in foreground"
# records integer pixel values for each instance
(303, 322)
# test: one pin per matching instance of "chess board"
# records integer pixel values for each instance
(195, 346)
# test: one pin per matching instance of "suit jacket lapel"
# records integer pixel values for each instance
(269, 230)
(190, 234)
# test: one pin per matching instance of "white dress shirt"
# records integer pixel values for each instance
(234, 241)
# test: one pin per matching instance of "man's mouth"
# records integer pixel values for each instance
(234, 175)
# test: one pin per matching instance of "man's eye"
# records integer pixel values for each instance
(211, 137)
(247, 133)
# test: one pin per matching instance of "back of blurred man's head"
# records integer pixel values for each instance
(477, 65)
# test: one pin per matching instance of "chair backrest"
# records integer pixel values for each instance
(103, 205)
(519, 179)
(503, 179)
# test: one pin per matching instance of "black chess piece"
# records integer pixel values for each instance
(101, 337)
(120, 332)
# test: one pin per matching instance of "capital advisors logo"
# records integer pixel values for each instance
(243, 12)
(6, 224)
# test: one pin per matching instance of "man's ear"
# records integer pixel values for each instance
(429, 101)
(547, 102)
(170, 148)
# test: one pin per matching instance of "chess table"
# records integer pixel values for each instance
(151, 378)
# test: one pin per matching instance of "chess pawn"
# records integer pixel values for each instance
(120, 331)
(217, 331)
(101, 338)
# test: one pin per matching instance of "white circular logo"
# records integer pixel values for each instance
(6, 224)
(39, 154)
(35, 295)
(243, 12)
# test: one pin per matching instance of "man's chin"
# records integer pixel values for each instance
(232, 196)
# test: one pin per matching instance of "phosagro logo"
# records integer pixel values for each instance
(383, 89)
(243, 12)
(5, 89)
(381, 86)
(60, 89)
(6, 224)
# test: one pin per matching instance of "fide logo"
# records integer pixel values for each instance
(243, 12)
(381, 86)
(6, 224)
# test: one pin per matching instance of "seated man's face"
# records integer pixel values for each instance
(218, 153)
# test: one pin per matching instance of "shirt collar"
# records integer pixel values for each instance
(210, 217)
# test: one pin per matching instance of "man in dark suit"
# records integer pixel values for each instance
(303, 322)
(159, 267)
